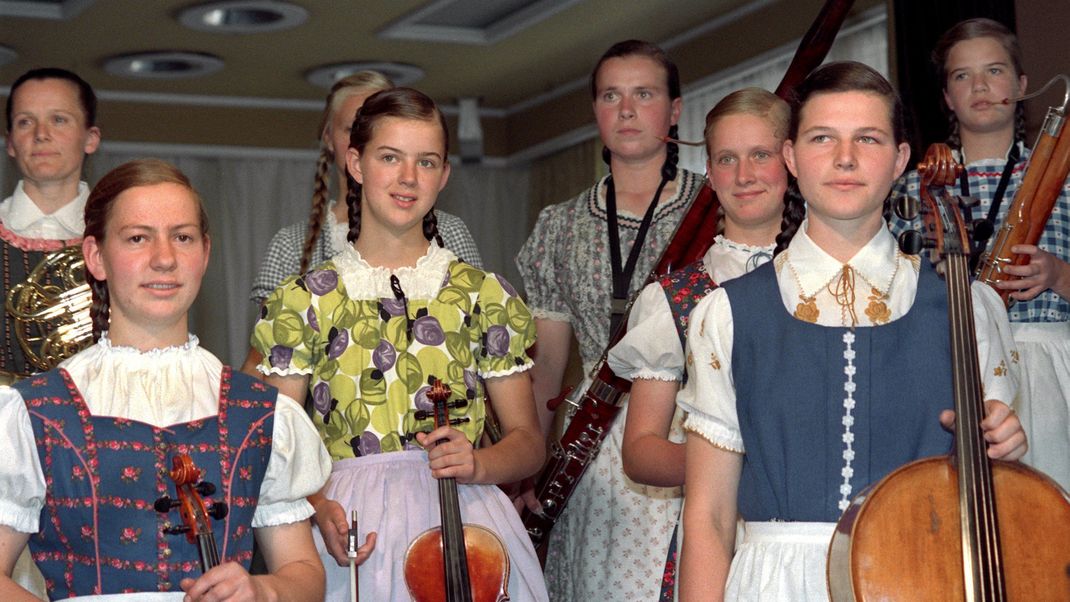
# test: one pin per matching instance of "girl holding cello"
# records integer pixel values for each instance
(980, 64)
(370, 330)
(89, 445)
(804, 390)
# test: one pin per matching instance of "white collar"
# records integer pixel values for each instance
(23, 217)
(421, 281)
(876, 261)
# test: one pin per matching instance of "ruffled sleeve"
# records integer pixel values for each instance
(997, 354)
(298, 467)
(709, 395)
(287, 333)
(651, 348)
(538, 263)
(22, 483)
(507, 328)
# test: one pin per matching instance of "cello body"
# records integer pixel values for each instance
(900, 540)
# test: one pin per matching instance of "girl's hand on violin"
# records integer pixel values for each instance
(450, 454)
(1044, 271)
(228, 581)
(1002, 430)
(331, 519)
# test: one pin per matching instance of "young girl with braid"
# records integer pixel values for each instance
(980, 63)
(90, 444)
(744, 133)
(369, 329)
(299, 246)
(584, 258)
(806, 385)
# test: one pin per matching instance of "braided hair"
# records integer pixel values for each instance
(361, 82)
(405, 103)
(98, 208)
(972, 29)
(840, 76)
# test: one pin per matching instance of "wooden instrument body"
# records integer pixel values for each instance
(900, 540)
(488, 566)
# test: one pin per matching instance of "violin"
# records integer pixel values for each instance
(455, 562)
(196, 516)
(962, 526)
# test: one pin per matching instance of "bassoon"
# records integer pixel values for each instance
(593, 413)
(1033, 203)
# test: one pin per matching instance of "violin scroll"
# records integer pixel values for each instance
(196, 524)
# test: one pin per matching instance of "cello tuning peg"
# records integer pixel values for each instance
(218, 510)
(164, 504)
(912, 242)
(205, 488)
(906, 207)
(981, 229)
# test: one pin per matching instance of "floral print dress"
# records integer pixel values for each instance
(371, 339)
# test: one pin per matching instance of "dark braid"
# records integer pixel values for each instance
(353, 202)
(319, 207)
(672, 155)
(431, 228)
(99, 311)
(794, 212)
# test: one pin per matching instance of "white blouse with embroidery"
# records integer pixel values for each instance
(709, 395)
(651, 348)
(184, 382)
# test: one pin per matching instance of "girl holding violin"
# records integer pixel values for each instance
(744, 133)
(805, 385)
(980, 64)
(371, 329)
(90, 444)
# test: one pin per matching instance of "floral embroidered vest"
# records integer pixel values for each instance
(99, 531)
(684, 288)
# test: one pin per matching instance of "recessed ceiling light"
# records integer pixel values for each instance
(163, 65)
(7, 55)
(400, 73)
(243, 16)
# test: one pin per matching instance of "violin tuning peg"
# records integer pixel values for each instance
(164, 504)
(177, 530)
(218, 510)
(205, 488)
(460, 403)
(422, 415)
(456, 421)
(906, 207)
(911, 242)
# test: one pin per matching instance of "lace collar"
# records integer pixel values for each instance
(190, 347)
(421, 281)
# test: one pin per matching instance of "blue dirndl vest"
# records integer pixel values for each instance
(99, 531)
(791, 380)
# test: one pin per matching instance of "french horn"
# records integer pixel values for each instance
(50, 310)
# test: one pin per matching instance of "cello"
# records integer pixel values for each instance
(962, 526)
(455, 562)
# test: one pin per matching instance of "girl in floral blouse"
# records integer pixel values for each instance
(369, 330)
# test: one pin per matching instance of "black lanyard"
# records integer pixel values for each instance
(997, 199)
(622, 277)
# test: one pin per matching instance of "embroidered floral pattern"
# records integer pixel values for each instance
(130, 474)
(849, 388)
(129, 535)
